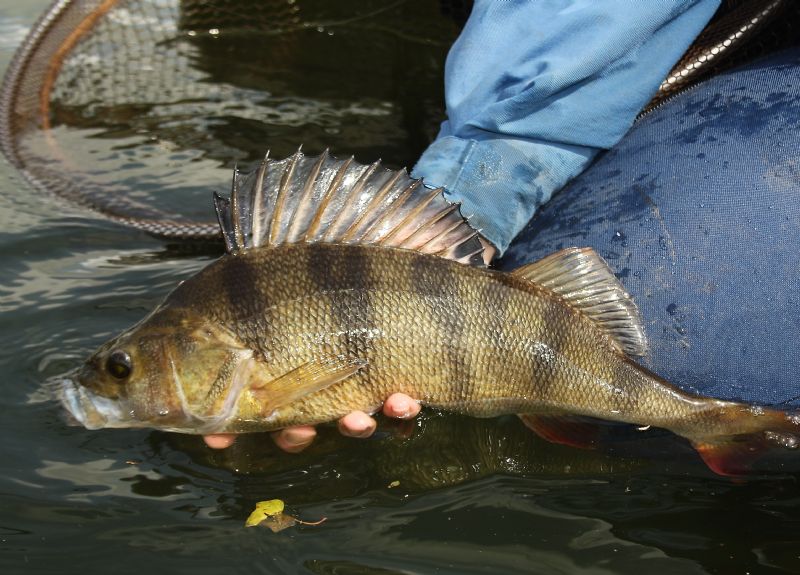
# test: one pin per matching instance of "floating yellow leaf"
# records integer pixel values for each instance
(270, 514)
(263, 511)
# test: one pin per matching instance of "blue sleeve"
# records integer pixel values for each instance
(535, 89)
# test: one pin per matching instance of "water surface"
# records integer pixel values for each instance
(445, 495)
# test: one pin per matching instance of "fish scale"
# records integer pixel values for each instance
(419, 324)
(305, 320)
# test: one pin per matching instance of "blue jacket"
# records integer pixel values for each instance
(535, 89)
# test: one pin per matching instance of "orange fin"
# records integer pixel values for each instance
(564, 429)
(731, 458)
(734, 455)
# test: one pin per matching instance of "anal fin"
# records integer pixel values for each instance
(574, 431)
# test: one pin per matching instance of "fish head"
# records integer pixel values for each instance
(175, 371)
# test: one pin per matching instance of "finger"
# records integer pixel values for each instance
(219, 440)
(294, 439)
(488, 250)
(357, 424)
(401, 406)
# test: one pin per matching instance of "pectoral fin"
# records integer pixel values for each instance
(304, 380)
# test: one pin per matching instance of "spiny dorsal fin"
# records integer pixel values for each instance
(322, 199)
(584, 279)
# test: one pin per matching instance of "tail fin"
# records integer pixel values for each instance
(762, 430)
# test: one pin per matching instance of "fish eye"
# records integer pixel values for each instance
(118, 364)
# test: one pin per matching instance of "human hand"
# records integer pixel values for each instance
(354, 424)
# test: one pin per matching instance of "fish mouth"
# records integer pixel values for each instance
(91, 410)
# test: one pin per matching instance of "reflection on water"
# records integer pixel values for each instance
(445, 494)
(155, 106)
(108, 477)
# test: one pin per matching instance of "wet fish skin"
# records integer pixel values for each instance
(344, 283)
(453, 336)
(470, 340)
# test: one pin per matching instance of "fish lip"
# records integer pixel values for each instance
(80, 405)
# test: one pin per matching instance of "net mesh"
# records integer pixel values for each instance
(139, 108)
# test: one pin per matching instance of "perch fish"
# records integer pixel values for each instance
(344, 283)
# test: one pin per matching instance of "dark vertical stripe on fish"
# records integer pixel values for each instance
(628, 399)
(344, 276)
(495, 327)
(239, 279)
(555, 334)
(439, 286)
(248, 299)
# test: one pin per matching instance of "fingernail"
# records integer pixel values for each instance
(297, 441)
(404, 410)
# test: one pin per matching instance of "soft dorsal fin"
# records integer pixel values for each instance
(584, 279)
(322, 199)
